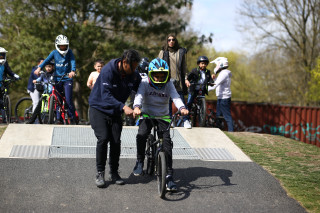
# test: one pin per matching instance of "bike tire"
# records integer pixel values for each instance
(51, 110)
(44, 115)
(7, 107)
(162, 173)
(23, 109)
(202, 112)
(151, 156)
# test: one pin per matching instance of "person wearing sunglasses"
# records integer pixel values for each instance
(175, 56)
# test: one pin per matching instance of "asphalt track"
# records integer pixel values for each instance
(67, 184)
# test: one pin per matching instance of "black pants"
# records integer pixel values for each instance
(107, 129)
(145, 127)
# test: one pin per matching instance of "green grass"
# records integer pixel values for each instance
(295, 164)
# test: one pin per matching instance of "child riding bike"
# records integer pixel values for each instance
(152, 98)
(199, 76)
(4, 71)
(64, 63)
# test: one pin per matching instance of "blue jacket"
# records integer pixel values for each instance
(111, 91)
(4, 71)
(32, 77)
(63, 64)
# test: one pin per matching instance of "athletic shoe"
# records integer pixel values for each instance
(171, 185)
(187, 124)
(115, 178)
(138, 169)
(100, 182)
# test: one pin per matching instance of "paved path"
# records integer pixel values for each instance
(67, 184)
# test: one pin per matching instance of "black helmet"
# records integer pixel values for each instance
(143, 66)
(203, 59)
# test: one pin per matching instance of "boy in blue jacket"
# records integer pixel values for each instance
(107, 103)
(65, 63)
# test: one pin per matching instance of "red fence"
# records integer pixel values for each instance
(299, 123)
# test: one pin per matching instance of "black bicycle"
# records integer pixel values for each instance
(6, 99)
(199, 107)
(156, 156)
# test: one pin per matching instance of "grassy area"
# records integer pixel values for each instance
(2, 129)
(295, 164)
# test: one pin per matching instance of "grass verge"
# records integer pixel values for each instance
(295, 164)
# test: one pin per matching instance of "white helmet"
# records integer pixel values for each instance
(221, 62)
(62, 40)
(3, 52)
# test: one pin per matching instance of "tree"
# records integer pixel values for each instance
(289, 31)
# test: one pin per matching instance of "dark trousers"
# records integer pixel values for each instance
(223, 108)
(106, 129)
(66, 88)
(145, 127)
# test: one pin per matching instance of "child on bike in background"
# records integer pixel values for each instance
(5, 70)
(200, 76)
(152, 98)
(65, 63)
(98, 64)
(43, 80)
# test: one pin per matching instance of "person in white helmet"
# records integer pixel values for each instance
(223, 90)
(65, 63)
(5, 70)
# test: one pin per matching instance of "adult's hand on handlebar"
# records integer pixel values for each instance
(127, 110)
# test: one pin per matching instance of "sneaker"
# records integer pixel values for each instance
(138, 169)
(171, 185)
(187, 124)
(100, 182)
(115, 178)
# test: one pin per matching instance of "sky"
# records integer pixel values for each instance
(217, 17)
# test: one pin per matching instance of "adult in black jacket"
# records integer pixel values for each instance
(107, 103)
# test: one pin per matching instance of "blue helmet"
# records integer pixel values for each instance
(156, 66)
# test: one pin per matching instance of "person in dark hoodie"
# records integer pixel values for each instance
(107, 103)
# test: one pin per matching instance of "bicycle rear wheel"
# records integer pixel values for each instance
(7, 108)
(162, 173)
(202, 112)
(23, 109)
(150, 154)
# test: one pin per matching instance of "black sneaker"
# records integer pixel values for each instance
(100, 182)
(138, 169)
(171, 185)
(115, 178)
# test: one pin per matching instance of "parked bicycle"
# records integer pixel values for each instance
(23, 110)
(6, 99)
(156, 156)
(57, 101)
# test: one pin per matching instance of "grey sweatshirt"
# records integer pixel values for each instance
(156, 102)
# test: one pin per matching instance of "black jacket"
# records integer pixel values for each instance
(194, 76)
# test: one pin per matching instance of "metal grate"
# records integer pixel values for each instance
(75, 142)
(26, 151)
(214, 154)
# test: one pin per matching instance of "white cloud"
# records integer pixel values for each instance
(217, 17)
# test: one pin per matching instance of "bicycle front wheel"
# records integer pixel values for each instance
(44, 115)
(162, 173)
(202, 112)
(23, 109)
(7, 108)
